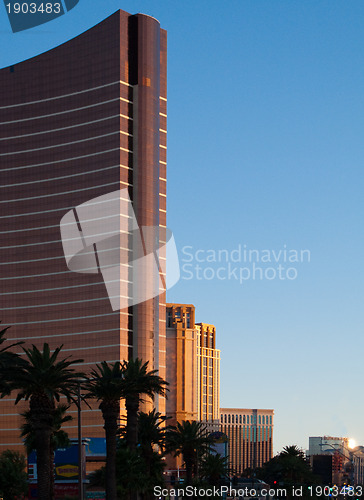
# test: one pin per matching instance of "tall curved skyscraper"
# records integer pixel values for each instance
(77, 123)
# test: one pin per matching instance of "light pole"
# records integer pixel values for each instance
(349, 458)
(79, 429)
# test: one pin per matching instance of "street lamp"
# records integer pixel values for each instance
(79, 439)
(79, 435)
(350, 456)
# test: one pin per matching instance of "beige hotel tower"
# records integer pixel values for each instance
(193, 367)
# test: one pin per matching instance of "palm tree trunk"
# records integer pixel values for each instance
(51, 474)
(132, 407)
(189, 467)
(42, 442)
(110, 414)
(41, 409)
(148, 454)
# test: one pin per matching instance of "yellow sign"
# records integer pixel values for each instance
(67, 470)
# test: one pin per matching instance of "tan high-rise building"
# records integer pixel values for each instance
(250, 434)
(193, 367)
(84, 120)
(208, 380)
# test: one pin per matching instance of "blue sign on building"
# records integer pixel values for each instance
(96, 447)
(65, 464)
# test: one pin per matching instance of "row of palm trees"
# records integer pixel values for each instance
(142, 469)
(109, 383)
(42, 378)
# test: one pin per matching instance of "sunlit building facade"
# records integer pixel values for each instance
(250, 434)
(193, 368)
(208, 375)
(327, 444)
(83, 120)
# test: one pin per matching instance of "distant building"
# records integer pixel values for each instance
(327, 445)
(193, 368)
(321, 466)
(331, 456)
(208, 379)
(358, 465)
(250, 433)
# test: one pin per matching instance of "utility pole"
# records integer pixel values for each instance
(80, 461)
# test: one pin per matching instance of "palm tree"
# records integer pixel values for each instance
(133, 481)
(106, 385)
(109, 383)
(59, 438)
(150, 453)
(290, 468)
(13, 478)
(138, 381)
(41, 379)
(151, 430)
(191, 440)
(130, 473)
(292, 451)
(151, 444)
(294, 465)
(213, 468)
(7, 360)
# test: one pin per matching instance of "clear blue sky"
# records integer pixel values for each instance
(265, 149)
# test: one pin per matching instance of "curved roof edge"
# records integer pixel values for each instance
(75, 37)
